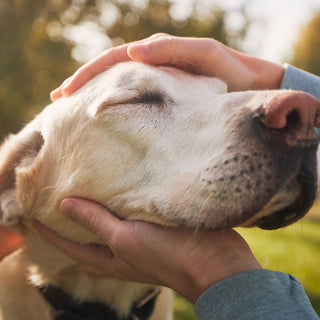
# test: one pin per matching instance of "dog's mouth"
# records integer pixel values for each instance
(297, 208)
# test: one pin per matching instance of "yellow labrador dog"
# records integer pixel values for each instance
(153, 144)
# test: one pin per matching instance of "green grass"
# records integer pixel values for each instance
(294, 250)
(183, 309)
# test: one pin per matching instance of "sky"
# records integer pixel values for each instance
(272, 37)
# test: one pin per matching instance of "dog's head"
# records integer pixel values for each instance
(161, 145)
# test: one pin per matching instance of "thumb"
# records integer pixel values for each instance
(91, 215)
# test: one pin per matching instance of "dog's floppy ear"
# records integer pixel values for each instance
(18, 156)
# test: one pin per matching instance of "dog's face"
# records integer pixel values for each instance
(161, 145)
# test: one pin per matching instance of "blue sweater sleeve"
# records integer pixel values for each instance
(256, 294)
(262, 294)
(297, 79)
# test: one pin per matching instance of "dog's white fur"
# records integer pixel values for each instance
(148, 143)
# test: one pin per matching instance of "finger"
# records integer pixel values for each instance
(57, 93)
(92, 254)
(94, 67)
(92, 216)
(101, 63)
(169, 50)
(91, 69)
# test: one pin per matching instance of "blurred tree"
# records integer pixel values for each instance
(30, 63)
(307, 48)
(39, 38)
(127, 20)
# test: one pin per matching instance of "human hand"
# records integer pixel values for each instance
(185, 260)
(199, 55)
(95, 66)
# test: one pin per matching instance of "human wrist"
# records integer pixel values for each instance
(267, 75)
(216, 263)
(242, 71)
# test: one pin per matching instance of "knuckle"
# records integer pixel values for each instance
(158, 35)
(115, 243)
(117, 239)
(93, 222)
(164, 37)
(212, 44)
(110, 51)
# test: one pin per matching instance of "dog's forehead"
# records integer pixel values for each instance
(125, 81)
(137, 76)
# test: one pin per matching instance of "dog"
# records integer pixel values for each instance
(152, 144)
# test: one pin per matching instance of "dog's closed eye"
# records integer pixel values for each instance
(145, 98)
(149, 98)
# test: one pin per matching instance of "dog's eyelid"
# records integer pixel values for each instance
(150, 97)
(158, 97)
(106, 105)
(146, 98)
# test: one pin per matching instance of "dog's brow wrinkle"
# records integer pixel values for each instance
(124, 79)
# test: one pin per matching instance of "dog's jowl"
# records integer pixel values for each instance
(153, 144)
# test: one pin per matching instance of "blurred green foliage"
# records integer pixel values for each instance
(30, 63)
(307, 47)
(35, 53)
(293, 250)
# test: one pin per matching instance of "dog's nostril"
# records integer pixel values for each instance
(289, 123)
(293, 120)
(290, 112)
(283, 122)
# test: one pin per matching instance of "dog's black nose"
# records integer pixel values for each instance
(291, 116)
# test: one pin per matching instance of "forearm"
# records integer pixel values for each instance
(256, 294)
(263, 294)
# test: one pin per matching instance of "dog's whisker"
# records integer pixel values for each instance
(153, 145)
(204, 204)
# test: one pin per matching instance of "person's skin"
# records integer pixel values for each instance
(199, 55)
(183, 259)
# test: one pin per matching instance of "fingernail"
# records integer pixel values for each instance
(66, 82)
(68, 207)
(64, 86)
(55, 94)
(43, 229)
(38, 225)
(138, 50)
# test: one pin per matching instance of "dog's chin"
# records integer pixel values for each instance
(288, 215)
(296, 209)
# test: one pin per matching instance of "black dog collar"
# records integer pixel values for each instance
(69, 309)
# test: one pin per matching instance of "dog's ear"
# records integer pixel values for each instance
(18, 156)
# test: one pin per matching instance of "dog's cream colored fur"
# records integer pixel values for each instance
(148, 143)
